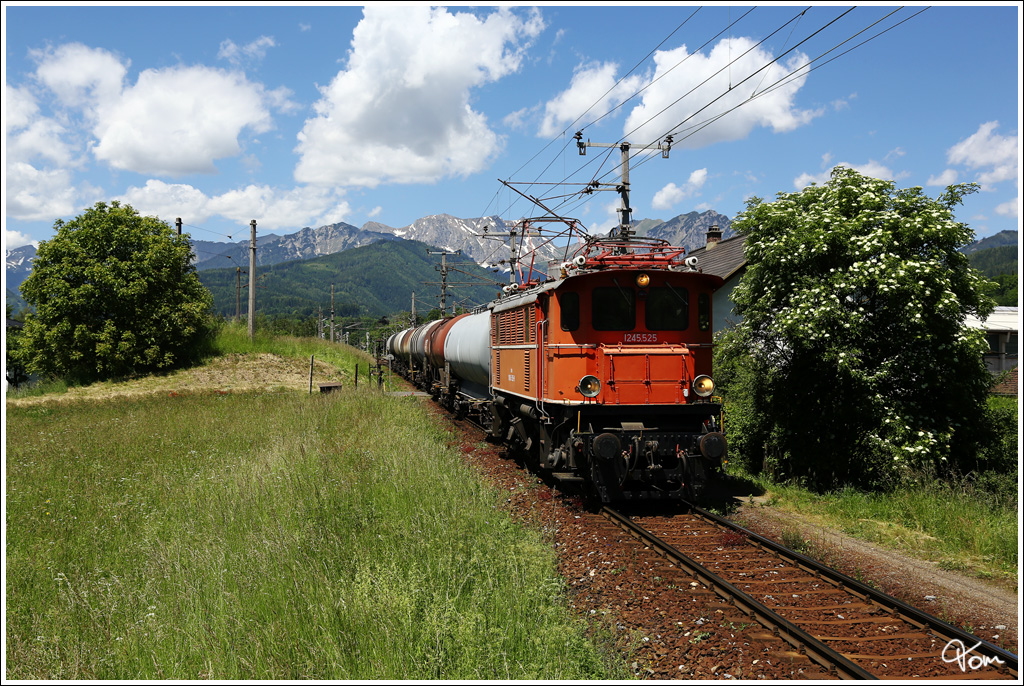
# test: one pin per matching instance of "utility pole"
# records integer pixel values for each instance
(177, 224)
(238, 291)
(625, 219)
(319, 321)
(252, 282)
(332, 313)
(444, 273)
(412, 315)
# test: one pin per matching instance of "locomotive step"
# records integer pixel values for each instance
(568, 477)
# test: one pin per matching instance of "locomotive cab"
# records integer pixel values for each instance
(604, 377)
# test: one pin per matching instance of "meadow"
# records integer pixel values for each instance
(270, 535)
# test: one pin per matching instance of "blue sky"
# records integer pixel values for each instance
(306, 115)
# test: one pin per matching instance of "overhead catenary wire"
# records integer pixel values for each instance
(724, 68)
(780, 83)
(572, 125)
(193, 226)
(803, 71)
(648, 85)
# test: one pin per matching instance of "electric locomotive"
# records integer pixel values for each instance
(601, 377)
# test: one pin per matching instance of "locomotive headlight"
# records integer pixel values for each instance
(643, 280)
(703, 386)
(589, 386)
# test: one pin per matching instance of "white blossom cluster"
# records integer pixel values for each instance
(859, 289)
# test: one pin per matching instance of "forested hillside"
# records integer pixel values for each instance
(1000, 265)
(373, 280)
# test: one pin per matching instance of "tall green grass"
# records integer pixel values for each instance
(38, 388)
(269, 536)
(956, 524)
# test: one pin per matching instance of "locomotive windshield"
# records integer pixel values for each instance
(613, 309)
(667, 309)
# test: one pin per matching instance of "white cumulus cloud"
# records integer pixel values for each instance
(946, 178)
(236, 54)
(16, 239)
(80, 76)
(870, 168)
(672, 194)
(401, 109)
(36, 176)
(592, 92)
(30, 136)
(683, 95)
(171, 121)
(1010, 208)
(179, 121)
(272, 208)
(39, 194)
(998, 157)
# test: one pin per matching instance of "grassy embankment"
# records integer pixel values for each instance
(970, 526)
(259, 535)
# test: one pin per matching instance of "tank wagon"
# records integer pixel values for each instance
(601, 377)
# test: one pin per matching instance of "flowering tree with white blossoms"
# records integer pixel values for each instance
(852, 363)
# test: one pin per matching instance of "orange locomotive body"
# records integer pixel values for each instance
(602, 377)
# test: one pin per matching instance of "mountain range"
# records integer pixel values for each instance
(483, 240)
(370, 280)
(304, 244)
(999, 240)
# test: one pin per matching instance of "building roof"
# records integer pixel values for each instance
(1001, 319)
(725, 258)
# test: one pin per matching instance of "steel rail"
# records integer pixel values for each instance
(802, 641)
(899, 609)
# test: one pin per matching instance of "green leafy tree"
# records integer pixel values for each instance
(115, 294)
(852, 363)
(14, 370)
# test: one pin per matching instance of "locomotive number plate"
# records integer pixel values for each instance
(641, 338)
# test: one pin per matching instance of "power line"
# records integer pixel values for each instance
(193, 226)
(778, 84)
(705, 44)
(803, 71)
(573, 124)
(724, 68)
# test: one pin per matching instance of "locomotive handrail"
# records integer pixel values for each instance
(668, 349)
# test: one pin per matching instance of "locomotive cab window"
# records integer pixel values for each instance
(667, 309)
(704, 311)
(613, 309)
(569, 305)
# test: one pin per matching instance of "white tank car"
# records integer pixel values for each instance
(467, 350)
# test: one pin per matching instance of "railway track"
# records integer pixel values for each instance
(847, 628)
